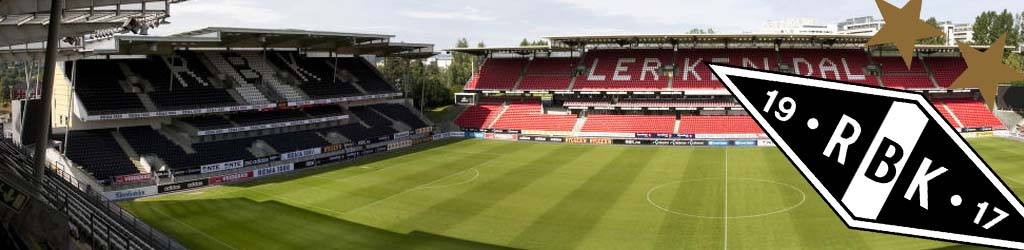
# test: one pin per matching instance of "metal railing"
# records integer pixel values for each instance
(97, 220)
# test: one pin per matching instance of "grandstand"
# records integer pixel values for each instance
(158, 115)
(630, 86)
(219, 99)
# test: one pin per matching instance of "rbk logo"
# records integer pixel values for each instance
(884, 160)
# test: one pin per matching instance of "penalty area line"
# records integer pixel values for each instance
(190, 227)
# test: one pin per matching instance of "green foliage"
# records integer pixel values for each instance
(697, 31)
(428, 84)
(534, 43)
(10, 74)
(990, 25)
(939, 40)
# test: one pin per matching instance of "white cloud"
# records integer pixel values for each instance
(467, 13)
(232, 10)
(730, 13)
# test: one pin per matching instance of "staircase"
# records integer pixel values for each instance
(583, 58)
(257, 63)
(250, 93)
(147, 102)
(878, 77)
(181, 72)
(261, 149)
(134, 156)
(300, 72)
(951, 114)
(931, 76)
(579, 123)
(177, 136)
(522, 74)
(675, 128)
(504, 107)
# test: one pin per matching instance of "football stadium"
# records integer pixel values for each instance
(263, 138)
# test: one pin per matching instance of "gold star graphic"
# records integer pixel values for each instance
(903, 27)
(985, 70)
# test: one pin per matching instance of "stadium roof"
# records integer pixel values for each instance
(511, 50)
(571, 41)
(30, 28)
(224, 37)
(19, 7)
(24, 23)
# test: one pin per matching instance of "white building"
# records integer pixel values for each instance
(796, 26)
(963, 32)
(866, 25)
(442, 60)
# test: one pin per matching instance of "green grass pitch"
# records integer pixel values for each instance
(478, 194)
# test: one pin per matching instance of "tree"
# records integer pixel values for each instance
(427, 84)
(990, 25)
(481, 45)
(462, 66)
(697, 31)
(524, 43)
(939, 40)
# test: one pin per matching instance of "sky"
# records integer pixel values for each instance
(505, 23)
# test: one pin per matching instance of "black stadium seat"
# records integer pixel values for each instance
(401, 113)
(171, 94)
(368, 77)
(99, 154)
(97, 86)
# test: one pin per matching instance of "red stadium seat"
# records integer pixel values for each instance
(896, 75)
(945, 113)
(837, 64)
(624, 69)
(546, 82)
(973, 113)
(691, 74)
(528, 115)
(497, 73)
(479, 116)
(946, 69)
(630, 124)
(718, 125)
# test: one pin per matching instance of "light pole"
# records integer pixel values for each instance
(46, 88)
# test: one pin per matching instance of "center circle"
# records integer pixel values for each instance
(698, 195)
(456, 179)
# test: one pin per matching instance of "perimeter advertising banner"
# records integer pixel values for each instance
(183, 186)
(277, 169)
(131, 193)
(216, 167)
(300, 153)
(230, 178)
(133, 178)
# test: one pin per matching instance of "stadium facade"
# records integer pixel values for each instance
(156, 114)
(655, 89)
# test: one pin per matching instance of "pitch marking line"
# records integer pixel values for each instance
(407, 191)
(157, 209)
(476, 174)
(650, 200)
(725, 219)
(299, 202)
